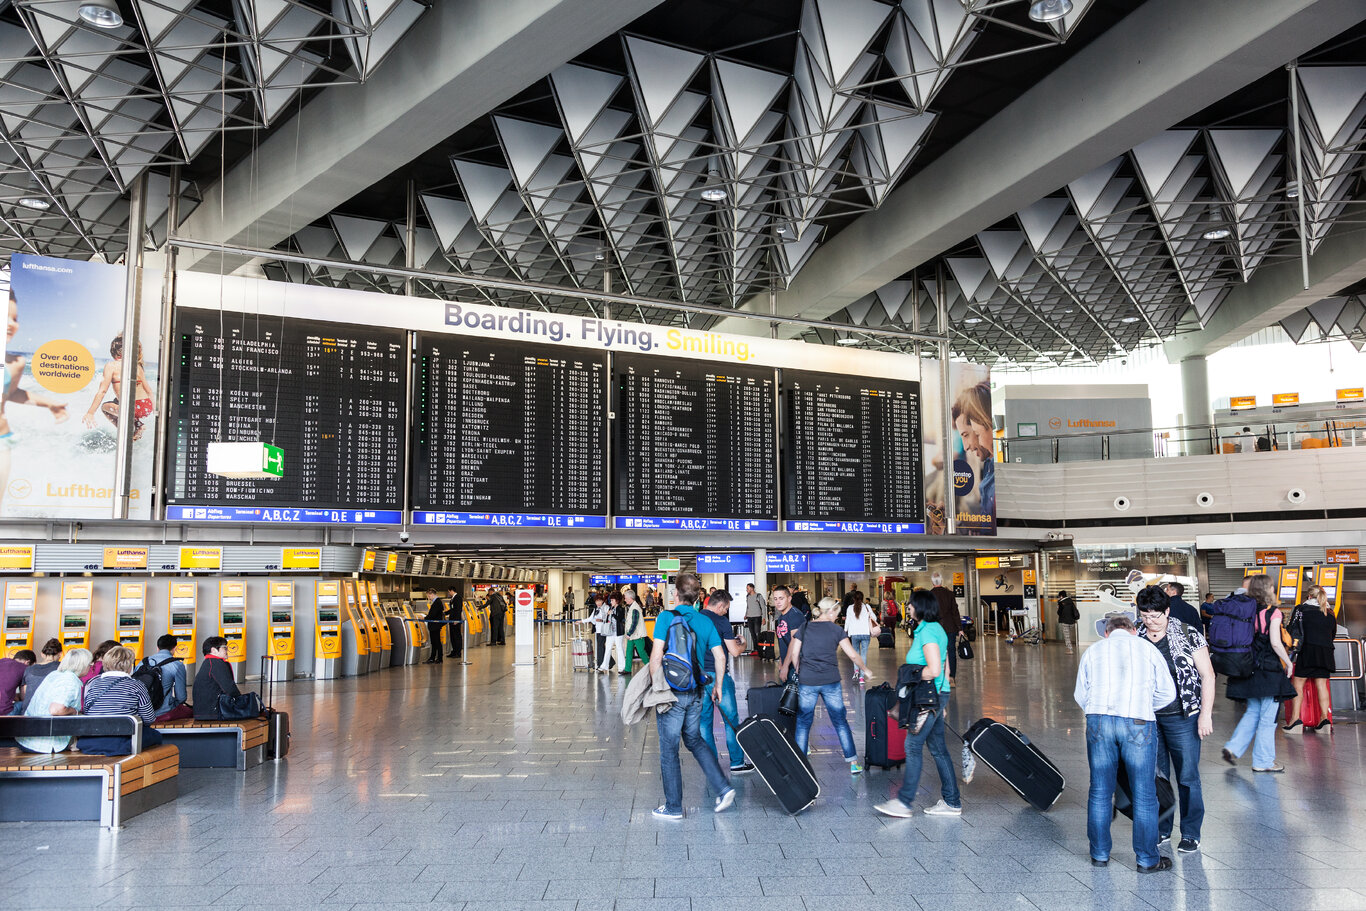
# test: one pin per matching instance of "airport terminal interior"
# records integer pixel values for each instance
(387, 385)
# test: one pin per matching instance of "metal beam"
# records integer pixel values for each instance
(1164, 62)
(1276, 291)
(462, 61)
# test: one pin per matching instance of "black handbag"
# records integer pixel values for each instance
(964, 650)
(790, 702)
(235, 708)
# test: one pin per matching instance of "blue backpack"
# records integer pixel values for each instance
(681, 669)
(1230, 635)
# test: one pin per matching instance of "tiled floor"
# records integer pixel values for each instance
(502, 788)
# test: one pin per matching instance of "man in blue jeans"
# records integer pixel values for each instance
(1121, 683)
(683, 720)
(717, 611)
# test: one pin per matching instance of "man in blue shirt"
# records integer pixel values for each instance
(718, 612)
(173, 680)
(684, 718)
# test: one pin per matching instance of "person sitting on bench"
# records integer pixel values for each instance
(115, 692)
(58, 694)
(213, 679)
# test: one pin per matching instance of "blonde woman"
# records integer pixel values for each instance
(1266, 688)
(58, 694)
(815, 657)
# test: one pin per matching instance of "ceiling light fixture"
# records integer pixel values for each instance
(1049, 10)
(599, 256)
(1129, 319)
(100, 13)
(1217, 234)
(973, 320)
(847, 340)
(35, 202)
(713, 190)
(1292, 190)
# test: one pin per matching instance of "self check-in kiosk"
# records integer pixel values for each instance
(232, 625)
(369, 602)
(399, 634)
(355, 651)
(281, 645)
(129, 614)
(76, 614)
(180, 619)
(327, 637)
(19, 599)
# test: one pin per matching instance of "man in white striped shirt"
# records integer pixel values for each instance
(1121, 682)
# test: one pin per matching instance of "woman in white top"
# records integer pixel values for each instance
(58, 694)
(861, 625)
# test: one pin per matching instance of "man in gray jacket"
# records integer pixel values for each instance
(754, 614)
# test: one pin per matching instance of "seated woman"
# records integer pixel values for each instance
(97, 665)
(213, 679)
(115, 692)
(59, 693)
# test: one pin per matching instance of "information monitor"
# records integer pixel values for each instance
(694, 445)
(507, 433)
(330, 395)
(851, 454)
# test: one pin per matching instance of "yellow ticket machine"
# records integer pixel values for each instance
(281, 645)
(19, 598)
(180, 619)
(129, 614)
(76, 614)
(232, 625)
(355, 658)
(379, 630)
(327, 636)
(413, 643)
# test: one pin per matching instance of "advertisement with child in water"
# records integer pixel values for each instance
(62, 382)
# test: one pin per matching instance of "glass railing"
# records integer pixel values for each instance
(1227, 437)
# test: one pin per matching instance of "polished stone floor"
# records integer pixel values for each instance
(496, 788)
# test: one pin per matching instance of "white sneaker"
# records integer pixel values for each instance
(943, 809)
(725, 800)
(895, 807)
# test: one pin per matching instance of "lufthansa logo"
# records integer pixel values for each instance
(1055, 423)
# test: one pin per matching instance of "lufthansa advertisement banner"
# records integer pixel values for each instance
(971, 450)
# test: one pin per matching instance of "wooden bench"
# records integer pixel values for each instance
(77, 786)
(217, 744)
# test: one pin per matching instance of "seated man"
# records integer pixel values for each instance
(213, 679)
(115, 692)
(173, 680)
(11, 676)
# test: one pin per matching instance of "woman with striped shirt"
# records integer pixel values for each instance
(115, 692)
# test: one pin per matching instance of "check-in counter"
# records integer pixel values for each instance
(129, 613)
(281, 644)
(327, 638)
(355, 658)
(19, 601)
(232, 625)
(182, 608)
(76, 597)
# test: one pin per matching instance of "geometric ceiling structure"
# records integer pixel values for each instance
(86, 109)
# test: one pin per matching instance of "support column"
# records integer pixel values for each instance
(132, 320)
(1195, 404)
(761, 574)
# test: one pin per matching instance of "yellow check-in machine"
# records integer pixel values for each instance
(76, 598)
(327, 636)
(19, 600)
(375, 655)
(232, 625)
(369, 599)
(355, 651)
(281, 645)
(401, 651)
(417, 632)
(129, 616)
(181, 610)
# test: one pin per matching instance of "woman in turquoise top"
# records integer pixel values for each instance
(58, 694)
(929, 648)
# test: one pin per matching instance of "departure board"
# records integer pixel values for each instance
(330, 395)
(851, 455)
(508, 433)
(694, 445)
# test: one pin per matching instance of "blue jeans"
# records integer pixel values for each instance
(1179, 738)
(1259, 721)
(833, 696)
(1111, 740)
(730, 711)
(931, 735)
(861, 643)
(683, 720)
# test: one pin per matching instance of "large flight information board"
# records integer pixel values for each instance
(851, 455)
(694, 445)
(509, 434)
(331, 395)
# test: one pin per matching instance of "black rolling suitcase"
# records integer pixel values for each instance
(782, 766)
(763, 700)
(277, 731)
(1124, 800)
(886, 639)
(1010, 754)
(768, 645)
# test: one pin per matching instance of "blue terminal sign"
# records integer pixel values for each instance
(784, 562)
(507, 519)
(283, 515)
(858, 528)
(646, 579)
(679, 523)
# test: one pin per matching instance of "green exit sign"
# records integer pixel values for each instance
(670, 564)
(273, 460)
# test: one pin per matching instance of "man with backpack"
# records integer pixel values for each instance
(682, 637)
(164, 676)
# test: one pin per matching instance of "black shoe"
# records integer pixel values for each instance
(1229, 757)
(1163, 863)
(1099, 863)
(430, 661)
(452, 655)
(1292, 725)
(1188, 846)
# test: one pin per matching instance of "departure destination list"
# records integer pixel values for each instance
(695, 445)
(852, 454)
(330, 395)
(508, 433)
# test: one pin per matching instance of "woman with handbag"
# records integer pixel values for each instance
(1266, 687)
(815, 657)
(1314, 627)
(213, 679)
(861, 626)
(929, 648)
